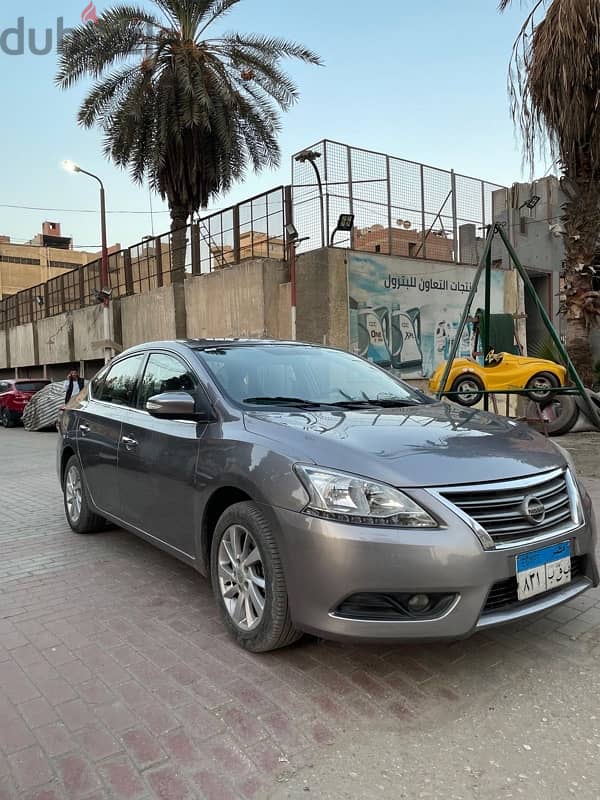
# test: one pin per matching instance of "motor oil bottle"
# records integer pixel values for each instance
(408, 325)
(363, 331)
(372, 343)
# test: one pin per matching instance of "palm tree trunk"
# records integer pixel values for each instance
(582, 224)
(179, 217)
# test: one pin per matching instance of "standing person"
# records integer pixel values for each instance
(73, 381)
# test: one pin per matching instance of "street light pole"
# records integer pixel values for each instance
(311, 157)
(104, 275)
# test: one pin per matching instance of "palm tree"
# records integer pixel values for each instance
(554, 82)
(178, 108)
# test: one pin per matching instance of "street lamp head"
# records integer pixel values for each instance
(291, 231)
(308, 155)
(71, 166)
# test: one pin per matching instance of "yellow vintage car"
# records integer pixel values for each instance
(501, 372)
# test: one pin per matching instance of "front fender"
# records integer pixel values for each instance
(243, 468)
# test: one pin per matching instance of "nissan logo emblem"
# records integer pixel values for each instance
(533, 510)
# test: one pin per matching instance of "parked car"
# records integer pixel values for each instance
(14, 396)
(42, 411)
(321, 494)
(501, 371)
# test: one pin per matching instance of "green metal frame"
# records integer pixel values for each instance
(485, 265)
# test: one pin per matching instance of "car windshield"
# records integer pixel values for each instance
(297, 375)
(30, 386)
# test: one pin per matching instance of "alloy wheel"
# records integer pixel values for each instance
(242, 577)
(73, 494)
(469, 390)
(540, 386)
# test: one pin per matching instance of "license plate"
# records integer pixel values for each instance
(543, 570)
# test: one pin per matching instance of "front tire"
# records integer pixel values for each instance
(78, 509)
(541, 385)
(470, 388)
(7, 421)
(248, 580)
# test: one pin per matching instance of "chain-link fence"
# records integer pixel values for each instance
(400, 207)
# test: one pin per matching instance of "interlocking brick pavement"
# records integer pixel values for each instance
(118, 681)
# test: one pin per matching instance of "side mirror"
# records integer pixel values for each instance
(178, 405)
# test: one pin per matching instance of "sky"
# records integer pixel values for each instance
(422, 80)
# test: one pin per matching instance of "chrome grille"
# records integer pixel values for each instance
(499, 507)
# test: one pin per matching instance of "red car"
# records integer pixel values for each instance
(14, 396)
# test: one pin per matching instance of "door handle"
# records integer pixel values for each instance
(84, 429)
(129, 442)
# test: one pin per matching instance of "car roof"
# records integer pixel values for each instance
(205, 344)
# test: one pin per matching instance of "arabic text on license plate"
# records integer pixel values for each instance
(543, 570)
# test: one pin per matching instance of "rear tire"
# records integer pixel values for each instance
(78, 509)
(541, 385)
(7, 421)
(248, 580)
(471, 389)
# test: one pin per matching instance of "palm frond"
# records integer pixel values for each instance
(274, 47)
(185, 113)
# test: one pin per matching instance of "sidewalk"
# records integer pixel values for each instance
(118, 681)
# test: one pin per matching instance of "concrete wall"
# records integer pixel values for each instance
(251, 299)
(323, 297)
(242, 300)
(55, 339)
(530, 232)
(148, 317)
(88, 328)
(284, 302)
(4, 359)
(22, 345)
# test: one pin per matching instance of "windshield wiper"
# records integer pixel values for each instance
(300, 402)
(388, 402)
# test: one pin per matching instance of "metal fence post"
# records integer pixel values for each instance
(388, 177)
(196, 261)
(326, 182)
(128, 270)
(237, 245)
(423, 222)
(350, 193)
(81, 287)
(454, 216)
(288, 206)
(159, 262)
(483, 222)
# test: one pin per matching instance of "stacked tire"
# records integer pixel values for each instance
(561, 412)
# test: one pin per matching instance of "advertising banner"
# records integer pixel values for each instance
(404, 315)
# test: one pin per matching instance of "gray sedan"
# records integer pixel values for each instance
(320, 494)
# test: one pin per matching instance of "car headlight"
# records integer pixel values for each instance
(348, 498)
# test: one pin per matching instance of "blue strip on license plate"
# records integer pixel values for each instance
(546, 555)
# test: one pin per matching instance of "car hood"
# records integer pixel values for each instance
(429, 445)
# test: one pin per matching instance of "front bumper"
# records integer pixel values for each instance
(326, 562)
